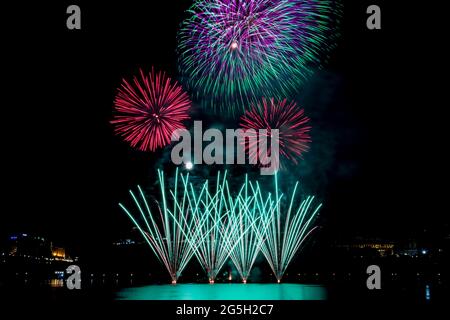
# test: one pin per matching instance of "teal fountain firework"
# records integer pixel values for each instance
(288, 231)
(214, 224)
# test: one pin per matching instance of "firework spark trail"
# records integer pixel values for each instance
(221, 229)
(254, 215)
(217, 224)
(288, 232)
(233, 51)
(172, 238)
(149, 110)
(287, 118)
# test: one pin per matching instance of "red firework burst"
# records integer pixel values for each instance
(288, 118)
(149, 110)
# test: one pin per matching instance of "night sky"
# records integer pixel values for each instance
(376, 140)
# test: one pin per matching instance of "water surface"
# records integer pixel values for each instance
(218, 291)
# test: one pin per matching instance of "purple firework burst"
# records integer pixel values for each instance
(233, 52)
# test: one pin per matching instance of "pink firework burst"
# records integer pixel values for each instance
(149, 110)
(288, 118)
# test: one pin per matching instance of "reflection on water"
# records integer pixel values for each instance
(427, 292)
(225, 292)
(56, 283)
(112, 286)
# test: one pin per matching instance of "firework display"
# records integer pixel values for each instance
(290, 121)
(171, 235)
(220, 230)
(288, 231)
(232, 53)
(215, 224)
(244, 60)
(149, 110)
(220, 157)
(253, 218)
(235, 227)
